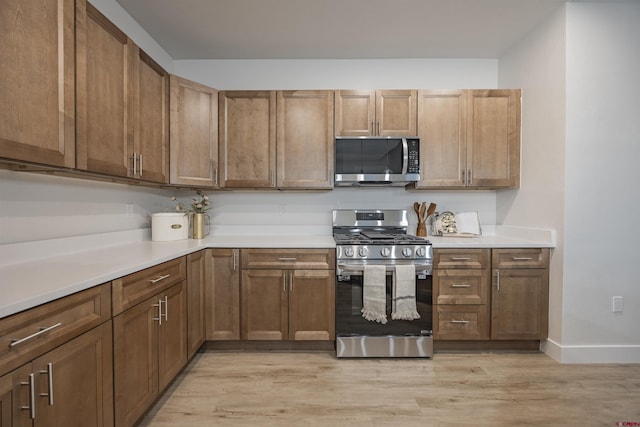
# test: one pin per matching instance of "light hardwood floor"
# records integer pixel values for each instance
(316, 389)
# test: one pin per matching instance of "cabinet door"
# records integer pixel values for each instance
(493, 138)
(37, 121)
(196, 287)
(75, 382)
(247, 121)
(355, 112)
(14, 398)
(104, 89)
(305, 139)
(264, 304)
(442, 130)
(396, 113)
(135, 361)
(151, 122)
(223, 294)
(312, 305)
(172, 337)
(194, 133)
(520, 304)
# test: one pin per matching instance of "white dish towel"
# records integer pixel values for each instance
(374, 296)
(404, 293)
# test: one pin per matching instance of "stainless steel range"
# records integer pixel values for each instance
(370, 242)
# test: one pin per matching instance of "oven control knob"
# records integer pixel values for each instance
(385, 252)
(407, 252)
(363, 252)
(348, 252)
(420, 252)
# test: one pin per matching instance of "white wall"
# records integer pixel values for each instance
(342, 74)
(602, 152)
(581, 142)
(537, 65)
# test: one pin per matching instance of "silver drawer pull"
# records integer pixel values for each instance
(521, 258)
(34, 335)
(460, 321)
(287, 259)
(460, 258)
(460, 286)
(157, 279)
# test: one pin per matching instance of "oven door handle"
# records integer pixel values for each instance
(358, 270)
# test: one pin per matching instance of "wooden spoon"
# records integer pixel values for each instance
(416, 207)
(431, 209)
(422, 211)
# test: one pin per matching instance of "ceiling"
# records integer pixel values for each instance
(338, 29)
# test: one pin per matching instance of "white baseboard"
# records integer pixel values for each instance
(591, 353)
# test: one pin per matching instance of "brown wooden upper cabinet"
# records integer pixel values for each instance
(469, 138)
(37, 85)
(247, 138)
(122, 99)
(194, 133)
(272, 139)
(304, 139)
(375, 113)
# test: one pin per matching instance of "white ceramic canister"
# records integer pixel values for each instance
(169, 226)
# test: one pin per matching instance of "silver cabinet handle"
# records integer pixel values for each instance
(135, 171)
(159, 278)
(290, 281)
(460, 321)
(378, 127)
(49, 373)
(166, 308)
(498, 280)
(32, 336)
(463, 174)
(460, 258)
(32, 396)
(234, 260)
(460, 286)
(470, 177)
(293, 259)
(373, 129)
(140, 157)
(159, 318)
(284, 281)
(522, 258)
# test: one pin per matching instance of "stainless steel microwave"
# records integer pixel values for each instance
(377, 161)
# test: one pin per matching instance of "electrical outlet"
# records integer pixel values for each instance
(618, 304)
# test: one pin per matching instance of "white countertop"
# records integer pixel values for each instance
(34, 273)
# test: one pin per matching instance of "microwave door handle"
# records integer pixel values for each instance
(405, 156)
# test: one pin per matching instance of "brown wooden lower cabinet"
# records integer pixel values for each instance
(196, 287)
(520, 294)
(72, 385)
(293, 302)
(288, 304)
(222, 294)
(150, 348)
(515, 308)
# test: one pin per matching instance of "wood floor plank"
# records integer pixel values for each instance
(316, 389)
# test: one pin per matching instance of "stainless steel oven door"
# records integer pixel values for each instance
(358, 337)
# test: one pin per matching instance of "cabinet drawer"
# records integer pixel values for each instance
(135, 288)
(461, 258)
(460, 286)
(27, 335)
(520, 258)
(461, 322)
(309, 259)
